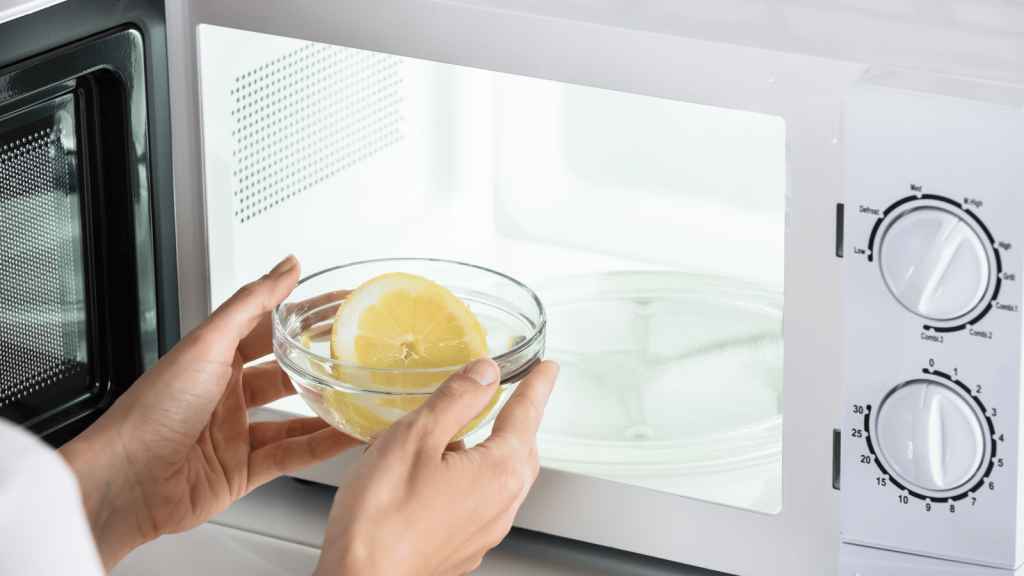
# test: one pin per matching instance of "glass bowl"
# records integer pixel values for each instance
(362, 401)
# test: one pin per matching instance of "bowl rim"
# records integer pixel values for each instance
(277, 328)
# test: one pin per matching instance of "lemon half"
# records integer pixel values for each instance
(404, 322)
(399, 321)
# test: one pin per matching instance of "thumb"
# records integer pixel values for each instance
(236, 317)
(455, 403)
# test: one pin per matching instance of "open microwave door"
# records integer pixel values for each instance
(87, 288)
(672, 201)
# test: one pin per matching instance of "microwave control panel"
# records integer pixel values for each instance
(932, 241)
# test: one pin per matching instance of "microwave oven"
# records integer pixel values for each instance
(775, 242)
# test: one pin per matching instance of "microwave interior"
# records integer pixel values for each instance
(653, 231)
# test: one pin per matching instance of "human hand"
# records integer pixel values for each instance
(177, 448)
(413, 504)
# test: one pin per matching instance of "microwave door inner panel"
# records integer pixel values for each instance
(43, 349)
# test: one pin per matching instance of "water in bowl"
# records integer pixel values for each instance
(366, 414)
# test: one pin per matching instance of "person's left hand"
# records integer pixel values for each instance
(178, 446)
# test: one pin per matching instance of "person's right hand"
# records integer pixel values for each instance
(413, 504)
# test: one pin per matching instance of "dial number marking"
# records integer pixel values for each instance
(885, 478)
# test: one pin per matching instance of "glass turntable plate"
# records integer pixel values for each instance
(670, 381)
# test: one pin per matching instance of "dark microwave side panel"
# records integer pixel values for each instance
(71, 22)
(92, 277)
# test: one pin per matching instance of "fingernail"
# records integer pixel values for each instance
(483, 370)
(284, 265)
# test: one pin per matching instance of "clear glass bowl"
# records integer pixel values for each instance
(363, 401)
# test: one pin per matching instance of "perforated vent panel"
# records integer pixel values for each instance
(306, 116)
(41, 316)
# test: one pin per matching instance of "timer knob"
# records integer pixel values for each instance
(929, 435)
(934, 263)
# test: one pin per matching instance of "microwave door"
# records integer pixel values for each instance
(85, 290)
(661, 195)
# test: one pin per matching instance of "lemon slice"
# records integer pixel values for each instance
(402, 321)
(367, 416)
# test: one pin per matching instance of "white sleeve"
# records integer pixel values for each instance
(43, 529)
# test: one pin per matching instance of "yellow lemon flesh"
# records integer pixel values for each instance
(406, 322)
(399, 321)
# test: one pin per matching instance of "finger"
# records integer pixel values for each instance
(454, 404)
(519, 419)
(224, 330)
(466, 566)
(264, 383)
(286, 456)
(259, 341)
(263, 434)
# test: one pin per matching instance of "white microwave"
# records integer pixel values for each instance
(775, 242)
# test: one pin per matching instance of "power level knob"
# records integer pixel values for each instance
(929, 435)
(934, 263)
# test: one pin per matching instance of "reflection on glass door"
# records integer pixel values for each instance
(653, 231)
(44, 359)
